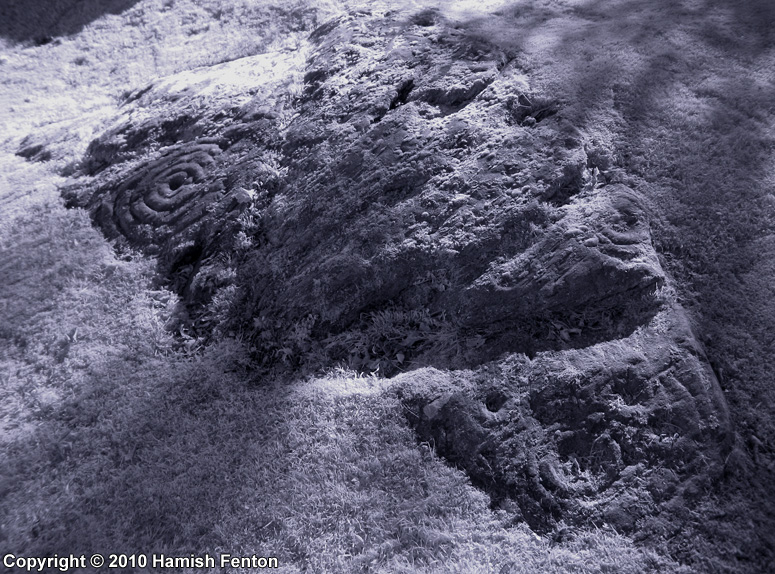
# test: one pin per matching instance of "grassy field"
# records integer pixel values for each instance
(116, 436)
(118, 439)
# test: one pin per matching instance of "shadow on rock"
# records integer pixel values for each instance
(617, 433)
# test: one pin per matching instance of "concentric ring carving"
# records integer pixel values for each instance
(170, 191)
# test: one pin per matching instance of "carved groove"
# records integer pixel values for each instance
(164, 192)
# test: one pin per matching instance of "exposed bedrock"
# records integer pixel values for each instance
(613, 433)
(183, 159)
(412, 185)
(394, 195)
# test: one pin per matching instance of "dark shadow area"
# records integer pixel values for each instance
(160, 480)
(680, 92)
(40, 22)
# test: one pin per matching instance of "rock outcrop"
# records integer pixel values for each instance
(609, 434)
(394, 195)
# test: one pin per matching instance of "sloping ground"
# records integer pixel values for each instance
(471, 192)
(400, 198)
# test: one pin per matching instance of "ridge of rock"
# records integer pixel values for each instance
(395, 196)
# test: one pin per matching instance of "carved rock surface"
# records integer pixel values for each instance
(606, 434)
(411, 184)
(184, 158)
(394, 195)
(163, 193)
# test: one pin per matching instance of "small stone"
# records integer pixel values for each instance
(591, 242)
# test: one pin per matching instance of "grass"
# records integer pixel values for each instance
(115, 441)
(118, 438)
(106, 54)
(184, 456)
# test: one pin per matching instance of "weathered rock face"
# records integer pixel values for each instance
(394, 195)
(606, 434)
(183, 160)
(415, 182)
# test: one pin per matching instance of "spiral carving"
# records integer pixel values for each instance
(169, 194)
